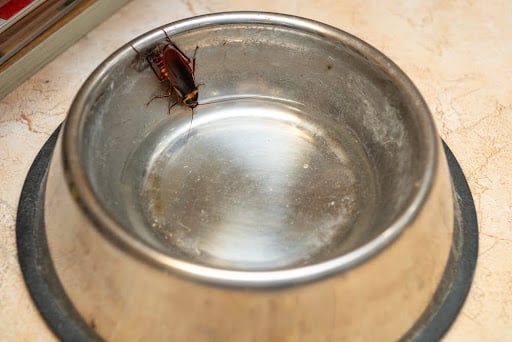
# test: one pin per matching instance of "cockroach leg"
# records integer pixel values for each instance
(174, 104)
(164, 96)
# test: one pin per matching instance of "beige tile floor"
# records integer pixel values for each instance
(459, 54)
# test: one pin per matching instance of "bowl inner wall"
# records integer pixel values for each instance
(310, 153)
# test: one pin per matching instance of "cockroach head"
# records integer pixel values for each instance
(190, 100)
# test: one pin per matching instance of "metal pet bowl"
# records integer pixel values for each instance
(308, 198)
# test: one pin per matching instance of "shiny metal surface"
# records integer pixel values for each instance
(252, 187)
(310, 184)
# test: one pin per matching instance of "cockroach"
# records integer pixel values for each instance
(170, 64)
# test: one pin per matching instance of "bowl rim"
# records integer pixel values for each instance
(113, 231)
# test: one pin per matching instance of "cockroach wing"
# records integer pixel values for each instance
(180, 71)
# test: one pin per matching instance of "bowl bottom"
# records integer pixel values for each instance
(248, 184)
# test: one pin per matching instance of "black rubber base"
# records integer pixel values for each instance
(53, 304)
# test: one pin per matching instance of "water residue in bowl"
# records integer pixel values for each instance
(254, 185)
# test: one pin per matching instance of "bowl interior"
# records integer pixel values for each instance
(309, 150)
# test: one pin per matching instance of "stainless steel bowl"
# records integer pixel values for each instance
(308, 199)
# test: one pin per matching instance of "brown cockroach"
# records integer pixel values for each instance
(170, 64)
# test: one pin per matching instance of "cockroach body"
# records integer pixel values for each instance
(170, 64)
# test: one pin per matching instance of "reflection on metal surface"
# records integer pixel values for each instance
(252, 186)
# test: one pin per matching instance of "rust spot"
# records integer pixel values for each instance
(92, 324)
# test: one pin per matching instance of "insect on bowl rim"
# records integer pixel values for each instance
(93, 209)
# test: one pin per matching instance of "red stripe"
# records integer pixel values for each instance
(12, 7)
